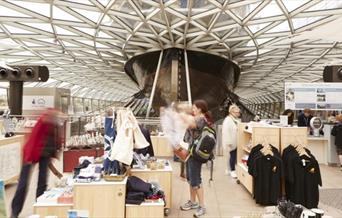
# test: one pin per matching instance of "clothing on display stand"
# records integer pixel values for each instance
(129, 136)
(302, 176)
(265, 165)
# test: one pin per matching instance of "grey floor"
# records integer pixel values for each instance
(223, 197)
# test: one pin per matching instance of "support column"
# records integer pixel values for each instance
(16, 97)
(187, 77)
(154, 84)
(174, 79)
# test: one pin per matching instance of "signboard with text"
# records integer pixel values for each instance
(316, 96)
(34, 102)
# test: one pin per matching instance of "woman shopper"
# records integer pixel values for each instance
(337, 132)
(229, 137)
(39, 148)
(201, 118)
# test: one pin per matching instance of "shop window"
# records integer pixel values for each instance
(3, 99)
(95, 104)
(87, 105)
(78, 105)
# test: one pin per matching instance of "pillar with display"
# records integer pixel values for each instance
(16, 76)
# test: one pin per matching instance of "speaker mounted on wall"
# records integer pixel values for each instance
(331, 73)
(25, 73)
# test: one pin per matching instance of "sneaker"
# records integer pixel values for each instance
(200, 212)
(189, 206)
(233, 174)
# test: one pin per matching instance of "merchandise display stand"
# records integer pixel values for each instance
(11, 158)
(161, 146)
(101, 199)
(161, 176)
(292, 136)
(257, 136)
(146, 209)
(59, 210)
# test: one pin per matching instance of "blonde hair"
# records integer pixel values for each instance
(339, 117)
(232, 107)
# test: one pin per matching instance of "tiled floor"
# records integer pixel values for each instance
(223, 197)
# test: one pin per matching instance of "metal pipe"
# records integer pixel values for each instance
(187, 77)
(154, 85)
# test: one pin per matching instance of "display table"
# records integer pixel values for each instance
(44, 209)
(161, 176)
(70, 157)
(161, 146)
(10, 158)
(147, 210)
(101, 199)
(319, 148)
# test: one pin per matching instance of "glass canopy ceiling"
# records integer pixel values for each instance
(85, 43)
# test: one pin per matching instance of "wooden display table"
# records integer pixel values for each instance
(163, 177)
(146, 209)
(161, 146)
(10, 158)
(44, 209)
(102, 199)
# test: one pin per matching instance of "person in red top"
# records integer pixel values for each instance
(42, 145)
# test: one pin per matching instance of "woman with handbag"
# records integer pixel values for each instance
(201, 118)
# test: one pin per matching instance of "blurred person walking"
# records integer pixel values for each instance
(42, 145)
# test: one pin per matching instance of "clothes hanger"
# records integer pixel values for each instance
(300, 148)
(267, 149)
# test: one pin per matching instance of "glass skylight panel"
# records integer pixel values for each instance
(62, 31)
(293, 4)
(326, 4)
(11, 13)
(41, 8)
(263, 40)
(91, 15)
(89, 31)
(272, 9)
(63, 15)
(256, 28)
(42, 26)
(300, 22)
(283, 27)
(15, 30)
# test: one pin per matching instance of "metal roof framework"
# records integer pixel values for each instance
(85, 43)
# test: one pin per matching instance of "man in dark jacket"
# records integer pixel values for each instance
(304, 118)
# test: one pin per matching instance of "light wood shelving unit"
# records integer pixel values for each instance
(257, 136)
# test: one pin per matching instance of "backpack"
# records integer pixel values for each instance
(203, 147)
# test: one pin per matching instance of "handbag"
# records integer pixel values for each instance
(182, 153)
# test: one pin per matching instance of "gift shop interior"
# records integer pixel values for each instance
(171, 108)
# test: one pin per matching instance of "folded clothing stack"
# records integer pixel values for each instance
(87, 172)
(137, 191)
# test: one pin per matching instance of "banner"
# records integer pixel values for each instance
(34, 102)
(316, 96)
